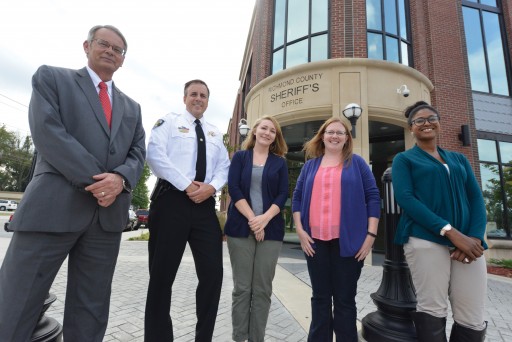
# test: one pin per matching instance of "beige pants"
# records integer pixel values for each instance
(437, 278)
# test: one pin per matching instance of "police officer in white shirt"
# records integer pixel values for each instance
(183, 210)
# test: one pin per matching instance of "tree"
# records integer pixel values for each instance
(15, 160)
(495, 196)
(140, 192)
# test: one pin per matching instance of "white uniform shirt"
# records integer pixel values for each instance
(172, 151)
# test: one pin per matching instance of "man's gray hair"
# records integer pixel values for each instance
(114, 29)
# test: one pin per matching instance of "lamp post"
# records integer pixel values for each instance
(243, 129)
(395, 299)
(352, 112)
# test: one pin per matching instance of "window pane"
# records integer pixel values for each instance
(319, 17)
(487, 150)
(297, 53)
(277, 61)
(319, 48)
(390, 16)
(402, 19)
(489, 2)
(375, 46)
(405, 53)
(495, 54)
(279, 22)
(493, 198)
(506, 153)
(392, 49)
(476, 56)
(373, 15)
(298, 19)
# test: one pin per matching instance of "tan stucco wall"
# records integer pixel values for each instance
(319, 90)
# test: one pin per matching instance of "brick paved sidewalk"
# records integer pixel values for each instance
(290, 313)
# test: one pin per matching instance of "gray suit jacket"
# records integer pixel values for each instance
(74, 143)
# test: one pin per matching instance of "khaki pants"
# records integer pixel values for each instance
(254, 266)
(438, 278)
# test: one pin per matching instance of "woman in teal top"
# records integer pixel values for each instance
(442, 228)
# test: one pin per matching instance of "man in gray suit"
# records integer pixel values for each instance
(89, 156)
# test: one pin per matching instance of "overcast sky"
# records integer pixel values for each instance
(169, 43)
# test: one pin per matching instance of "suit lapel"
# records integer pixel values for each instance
(117, 110)
(85, 82)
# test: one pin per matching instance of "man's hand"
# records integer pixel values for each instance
(106, 188)
(198, 192)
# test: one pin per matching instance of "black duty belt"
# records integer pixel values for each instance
(161, 187)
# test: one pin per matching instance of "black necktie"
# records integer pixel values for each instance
(201, 153)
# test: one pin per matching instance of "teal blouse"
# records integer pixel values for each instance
(430, 196)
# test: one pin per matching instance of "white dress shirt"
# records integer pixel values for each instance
(172, 151)
(96, 80)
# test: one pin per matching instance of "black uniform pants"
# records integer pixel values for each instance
(175, 220)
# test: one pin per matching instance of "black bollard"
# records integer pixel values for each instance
(47, 328)
(395, 298)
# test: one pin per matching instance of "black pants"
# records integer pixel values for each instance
(175, 220)
(334, 284)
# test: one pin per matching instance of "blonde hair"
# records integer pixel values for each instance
(315, 147)
(278, 147)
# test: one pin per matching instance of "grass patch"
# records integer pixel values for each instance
(141, 237)
(502, 262)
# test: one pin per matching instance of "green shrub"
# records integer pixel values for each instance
(502, 262)
(141, 237)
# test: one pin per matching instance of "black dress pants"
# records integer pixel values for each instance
(175, 220)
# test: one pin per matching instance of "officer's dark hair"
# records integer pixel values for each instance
(189, 83)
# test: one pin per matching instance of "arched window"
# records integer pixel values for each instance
(387, 30)
(301, 33)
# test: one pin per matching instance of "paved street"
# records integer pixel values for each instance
(290, 311)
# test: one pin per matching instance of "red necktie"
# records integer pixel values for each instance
(105, 102)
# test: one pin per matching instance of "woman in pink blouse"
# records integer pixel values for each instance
(336, 210)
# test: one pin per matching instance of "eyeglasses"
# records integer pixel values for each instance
(338, 133)
(421, 121)
(105, 45)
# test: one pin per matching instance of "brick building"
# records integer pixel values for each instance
(306, 60)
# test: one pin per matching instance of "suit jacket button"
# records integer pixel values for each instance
(112, 151)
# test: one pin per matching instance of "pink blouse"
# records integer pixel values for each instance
(325, 208)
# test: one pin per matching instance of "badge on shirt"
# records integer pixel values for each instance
(212, 133)
(158, 123)
(183, 129)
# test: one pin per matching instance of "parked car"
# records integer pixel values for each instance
(6, 225)
(132, 221)
(8, 205)
(142, 218)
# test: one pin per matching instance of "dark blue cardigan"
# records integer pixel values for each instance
(359, 200)
(274, 190)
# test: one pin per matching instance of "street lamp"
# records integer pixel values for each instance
(352, 112)
(243, 128)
